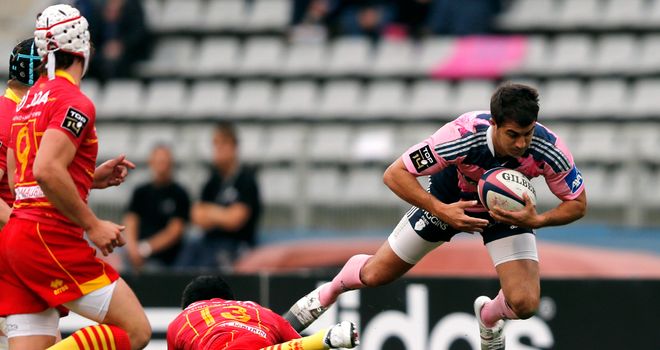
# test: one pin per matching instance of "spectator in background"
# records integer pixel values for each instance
(229, 209)
(157, 216)
(463, 17)
(121, 37)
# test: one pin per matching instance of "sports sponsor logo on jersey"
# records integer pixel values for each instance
(74, 121)
(422, 158)
(244, 326)
(574, 179)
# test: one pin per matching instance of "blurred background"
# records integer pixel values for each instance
(325, 94)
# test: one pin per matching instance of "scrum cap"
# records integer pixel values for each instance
(61, 27)
(23, 62)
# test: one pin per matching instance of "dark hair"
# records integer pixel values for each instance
(23, 62)
(205, 288)
(227, 130)
(63, 60)
(515, 102)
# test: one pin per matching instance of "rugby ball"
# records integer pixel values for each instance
(504, 188)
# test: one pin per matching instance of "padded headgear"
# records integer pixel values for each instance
(23, 62)
(61, 27)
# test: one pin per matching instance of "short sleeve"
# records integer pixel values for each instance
(248, 191)
(74, 117)
(182, 203)
(563, 177)
(137, 199)
(423, 159)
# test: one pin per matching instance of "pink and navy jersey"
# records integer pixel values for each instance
(467, 144)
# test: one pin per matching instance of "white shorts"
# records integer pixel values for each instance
(94, 305)
(411, 248)
(40, 323)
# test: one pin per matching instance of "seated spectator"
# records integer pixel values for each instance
(229, 209)
(156, 216)
(121, 39)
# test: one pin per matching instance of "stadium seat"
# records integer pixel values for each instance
(571, 54)
(279, 186)
(384, 99)
(252, 99)
(284, 142)
(606, 97)
(393, 58)
(224, 15)
(645, 102)
(171, 57)
(270, 15)
(150, 135)
(528, 14)
(410, 134)
(114, 139)
(562, 98)
(121, 99)
(251, 142)
(651, 16)
(429, 99)
(471, 95)
(622, 14)
(537, 57)
(329, 143)
(198, 138)
(430, 53)
(165, 99)
(373, 143)
(603, 143)
(364, 187)
(349, 56)
(261, 56)
(647, 61)
(91, 88)
(216, 56)
(645, 139)
(192, 177)
(324, 186)
(179, 15)
(153, 12)
(297, 99)
(209, 99)
(304, 59)
(340, 99)
(615, 54)
(577, 14)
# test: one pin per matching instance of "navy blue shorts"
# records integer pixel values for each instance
(444, 187)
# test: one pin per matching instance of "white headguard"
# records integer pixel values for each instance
(61, 27)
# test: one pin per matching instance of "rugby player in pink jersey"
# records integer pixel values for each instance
(455, 157)
(45, 261)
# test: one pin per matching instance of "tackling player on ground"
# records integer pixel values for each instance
(45, 262)
(213, 319)
(455, 157)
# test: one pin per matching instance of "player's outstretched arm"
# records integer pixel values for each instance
(341, 335)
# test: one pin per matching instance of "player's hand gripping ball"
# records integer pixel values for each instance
(504, 188)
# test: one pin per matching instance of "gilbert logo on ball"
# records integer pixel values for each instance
(504, 188)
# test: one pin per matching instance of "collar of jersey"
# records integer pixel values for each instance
(10, 94)
(65, 75)
(489, 140)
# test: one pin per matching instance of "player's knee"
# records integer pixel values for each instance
(140, 336)
(376, 277)
(524, 305)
